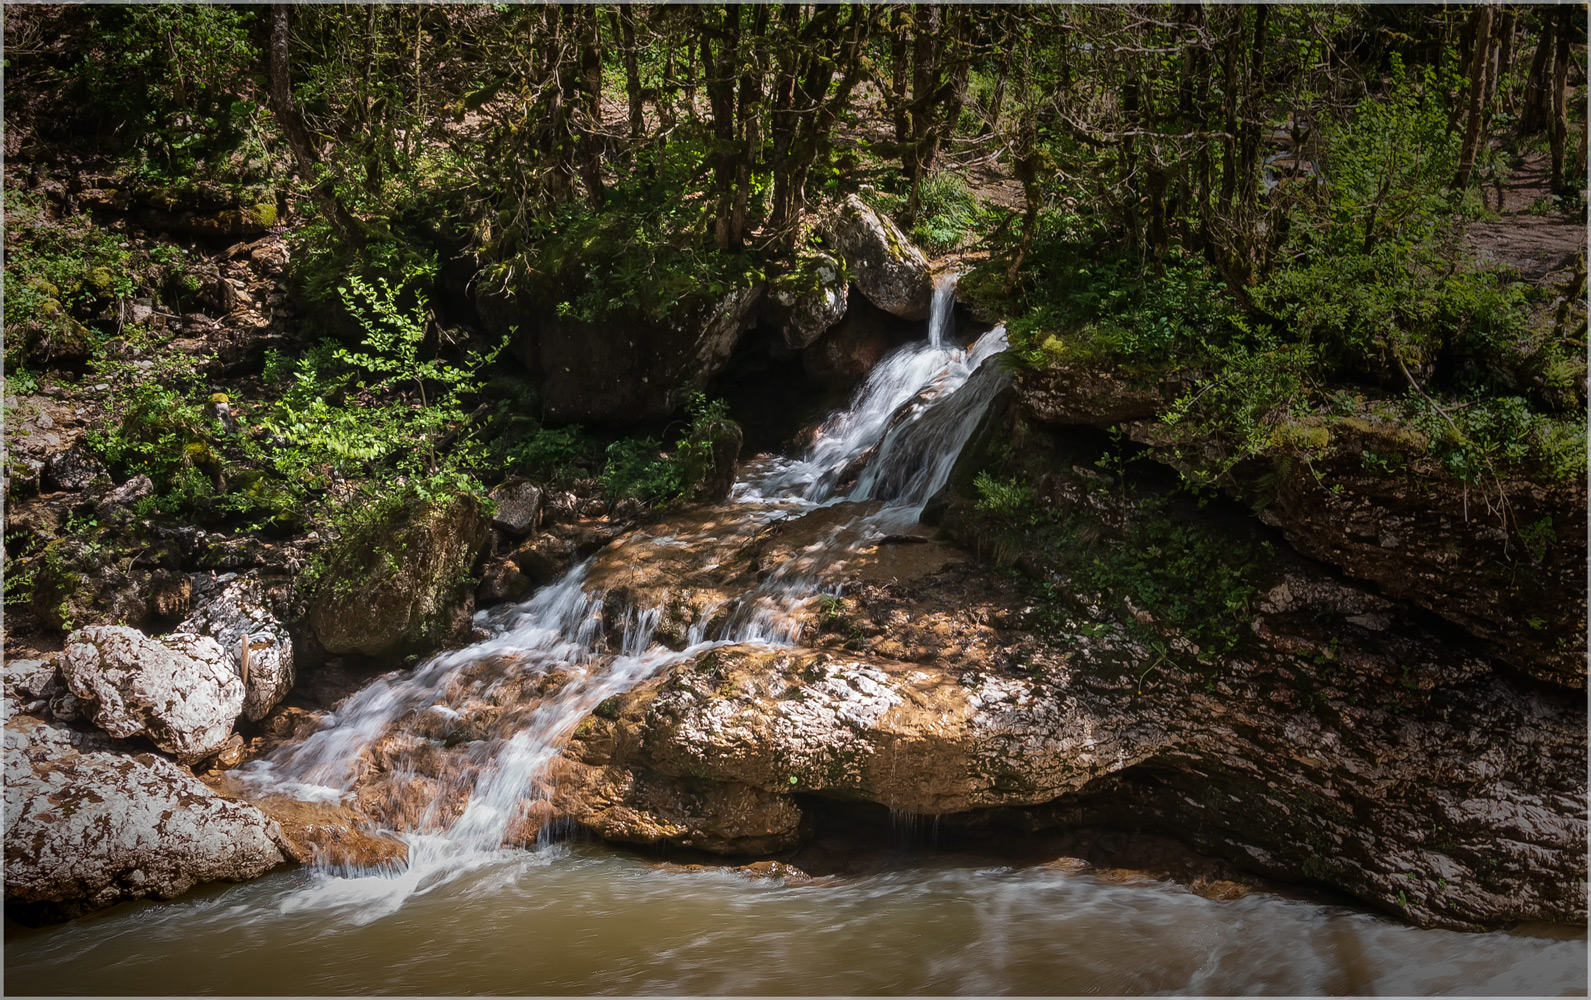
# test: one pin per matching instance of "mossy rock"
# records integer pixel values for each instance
(400, 583)
(78, 583)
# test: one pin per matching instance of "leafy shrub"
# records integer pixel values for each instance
(640, 469)
(168, 78)
(948, 216)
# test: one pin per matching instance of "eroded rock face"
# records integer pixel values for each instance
(622, 368)
(181, 690)
(844, 354)
(1401, 770)
(238, 619)
(1504, 562)
(887, 268)
(86, 827)
(401, 585)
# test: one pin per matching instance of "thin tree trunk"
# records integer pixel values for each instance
(1537, 90)
(298, 138)
(1560, 93)
(591, 127)
(632, 71)
(1477, 97)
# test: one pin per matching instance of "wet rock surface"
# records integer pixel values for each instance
(1403, 772)
(86, 827)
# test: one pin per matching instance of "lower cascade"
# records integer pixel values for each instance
(589, 637)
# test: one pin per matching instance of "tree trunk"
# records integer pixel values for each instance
(1229, 97)
(748, 117)
(1477, 97)
(632, 71)
(591, 90)
(1537, 88)
(1505, 56)
(298, 138)
(1560, 94)
(1253, 113)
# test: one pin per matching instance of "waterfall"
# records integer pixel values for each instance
(896, 442)
(942, 314)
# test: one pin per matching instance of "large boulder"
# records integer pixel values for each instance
(623, 367)
(803, 304)
(399, 584)
(887, 268)
(181, 691)
(86, 827)
(253, 639)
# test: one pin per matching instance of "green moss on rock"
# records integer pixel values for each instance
(400, 582)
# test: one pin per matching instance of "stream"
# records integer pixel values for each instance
(483, 907)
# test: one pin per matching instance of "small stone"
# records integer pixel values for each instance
(518, 506)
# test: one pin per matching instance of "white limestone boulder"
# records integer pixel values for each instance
(181, 691)
(238, 619)
(86, 827)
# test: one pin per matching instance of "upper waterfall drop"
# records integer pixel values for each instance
(942, 310)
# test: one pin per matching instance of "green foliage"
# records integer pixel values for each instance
(694, 450)
(1485, 436)
(645, 255)
(1087, 305)
(1006, 503)
(1186, 576)
(168, 78)
(321, 266)
(550, 453)
(948, 216)
(640, 469)
(1388, 163)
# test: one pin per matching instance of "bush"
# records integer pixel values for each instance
(948, 216)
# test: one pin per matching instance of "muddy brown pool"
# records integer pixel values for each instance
(585, 919)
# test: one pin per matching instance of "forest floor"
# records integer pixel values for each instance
(1531, 234)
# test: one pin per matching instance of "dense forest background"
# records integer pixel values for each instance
(1284, 217)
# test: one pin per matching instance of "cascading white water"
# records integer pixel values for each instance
(942, 313)
(903, 430)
